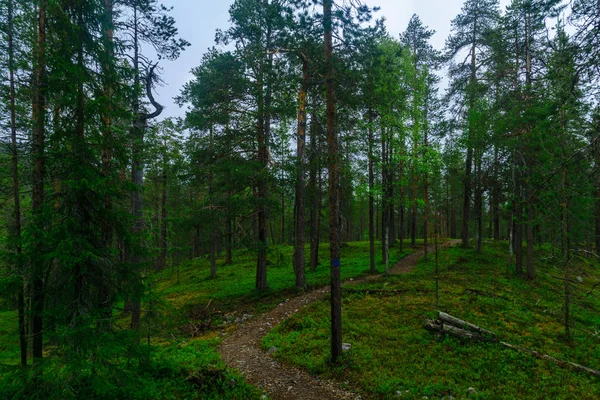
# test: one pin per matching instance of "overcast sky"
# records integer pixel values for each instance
(197, 21)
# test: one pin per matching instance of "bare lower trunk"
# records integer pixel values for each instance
(315, 192)
(530, 232)
(467, 199)
(300, 189)
(16, 186)
(163, 222)
(228, 239)
(39, 171)
(334, 195)
(371, 198)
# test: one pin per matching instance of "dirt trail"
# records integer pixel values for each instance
(242, 350)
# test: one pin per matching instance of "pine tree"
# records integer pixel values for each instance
(469, 31)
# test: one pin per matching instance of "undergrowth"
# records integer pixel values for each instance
(392, 356)
(174, 361)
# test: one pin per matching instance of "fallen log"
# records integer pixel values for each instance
(447, 324)
(383, 291)
(561, 363)
(437, 326)
(459, 323)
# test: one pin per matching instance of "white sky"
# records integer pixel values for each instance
(198, 20)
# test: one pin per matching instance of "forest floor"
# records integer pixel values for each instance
(243, 350)
(216, 338)
(394, 357)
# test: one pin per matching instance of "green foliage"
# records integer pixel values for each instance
(391, 352)
(191, 370)
(233, 288)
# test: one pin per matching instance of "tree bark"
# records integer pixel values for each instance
(530, 228)
(105, 291)
(315, 190)
(334, 195)
(39, 171)
(370, 139)
(478, 205)
(469, 161)
(263, 134)
(300, 205)
(163, 218)
(385, 201)
(16, 184)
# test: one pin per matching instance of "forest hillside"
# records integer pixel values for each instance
(340, 212)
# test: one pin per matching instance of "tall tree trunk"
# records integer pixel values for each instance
(401, 221)
(425, 189)
(371, 197)
(566, 251)
(315, 190)
(16, 185)
(478, 205)
(334, 191)
(495, 206)
(469, 161)
(39, 171)
(163, 218)
(228, 237)
(105, 290)
(385, 209)
(263, 137)
(518, 223)
(137, 174)
(261, 263)
(413, 212)
(530, 227)
(300, 205)
(137, 164)
(79, 151)
(391, 202)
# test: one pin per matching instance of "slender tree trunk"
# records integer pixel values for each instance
(315, 189)
(598, 218)
(391, 202)
(566, 251)
(228, 237)
(163, 219)
(261, 263)
(469, 161)
(334, 195)
(413, 216)
(263, 137)
(79, 151)
(300, 205)
(137, 174)
(478, 205)
(530, 228)
(16, 185)
(495, 206)
(385, 209)
(39, 171)
(518, 224)
(425, 190)
(371, 198)
(401, 221)
(105, 291)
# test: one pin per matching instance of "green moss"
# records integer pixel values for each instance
(392, 353)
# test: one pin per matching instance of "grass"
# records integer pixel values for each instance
(180, 367)
(9, 338)
(233, 290)
(392, 356)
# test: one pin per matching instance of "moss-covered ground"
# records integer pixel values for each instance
(392, 356)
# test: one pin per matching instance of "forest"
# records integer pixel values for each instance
(331, 190)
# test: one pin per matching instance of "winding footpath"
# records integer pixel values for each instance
(242, 350)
